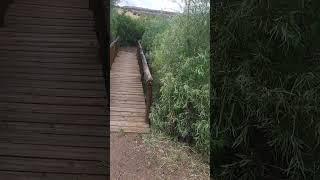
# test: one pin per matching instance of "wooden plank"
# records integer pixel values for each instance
(12, 82)
(50, 71)
(48, 30)
(84, 67)
(129, 129)
(38, 99)
(129, 110)
(7, 31)
(48, 8)
(124, 113)
(52, 77)
(53, 109)
(47, 176)
(128, 121)
(49, 21)
(137, 124)
(26, 7)
(56, 27)
(47, 48)
(86, 17)
(46, 54)
(53, 165)
(80, 4)
(65, 129)
(19, 137)
(64, 60)
(127, 97)
(52, 152)
(33, 117)
(125, 105)
(47, 91)
(128, 103)
(49, 41)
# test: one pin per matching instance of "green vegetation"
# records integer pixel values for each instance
(179, 50)
(265, 92)
(178, 53)
(130, 30)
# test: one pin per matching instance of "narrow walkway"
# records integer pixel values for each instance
(128, 106)
(53, 124)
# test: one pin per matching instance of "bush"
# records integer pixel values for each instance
(265, 93)
(129, 30)
(180, 59)
(153, 27)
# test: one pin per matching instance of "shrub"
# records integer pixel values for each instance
(153, 27)
(129, 30)
(181, 62)
(265, 93)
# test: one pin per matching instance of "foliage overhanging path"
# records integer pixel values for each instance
(128, 106)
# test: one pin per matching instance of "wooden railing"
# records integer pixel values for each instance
(146, 79)
(114, 47)
(3, 8)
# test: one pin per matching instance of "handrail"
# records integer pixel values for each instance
(146, 79)
(114, 47)
(4, 4)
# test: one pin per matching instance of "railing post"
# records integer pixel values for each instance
(113, 51)
(148, 100)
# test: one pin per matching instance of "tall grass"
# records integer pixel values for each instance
(180, 61)
(265, 93)
(129, 30)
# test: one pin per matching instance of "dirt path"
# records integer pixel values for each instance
(150, 157)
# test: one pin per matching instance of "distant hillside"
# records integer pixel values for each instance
(138, 11)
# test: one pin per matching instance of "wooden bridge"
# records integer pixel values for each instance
(54, 123)
(53, 119)
(129, 107)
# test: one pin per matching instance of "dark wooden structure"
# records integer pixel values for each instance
(53, 119)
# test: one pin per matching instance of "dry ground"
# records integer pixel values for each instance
(152, 157)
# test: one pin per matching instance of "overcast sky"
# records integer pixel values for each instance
(166, 5)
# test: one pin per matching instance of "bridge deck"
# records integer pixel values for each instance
(53, 123)
(128, 108)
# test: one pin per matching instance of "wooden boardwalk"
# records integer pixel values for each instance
(128, 108)
(53, 124)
